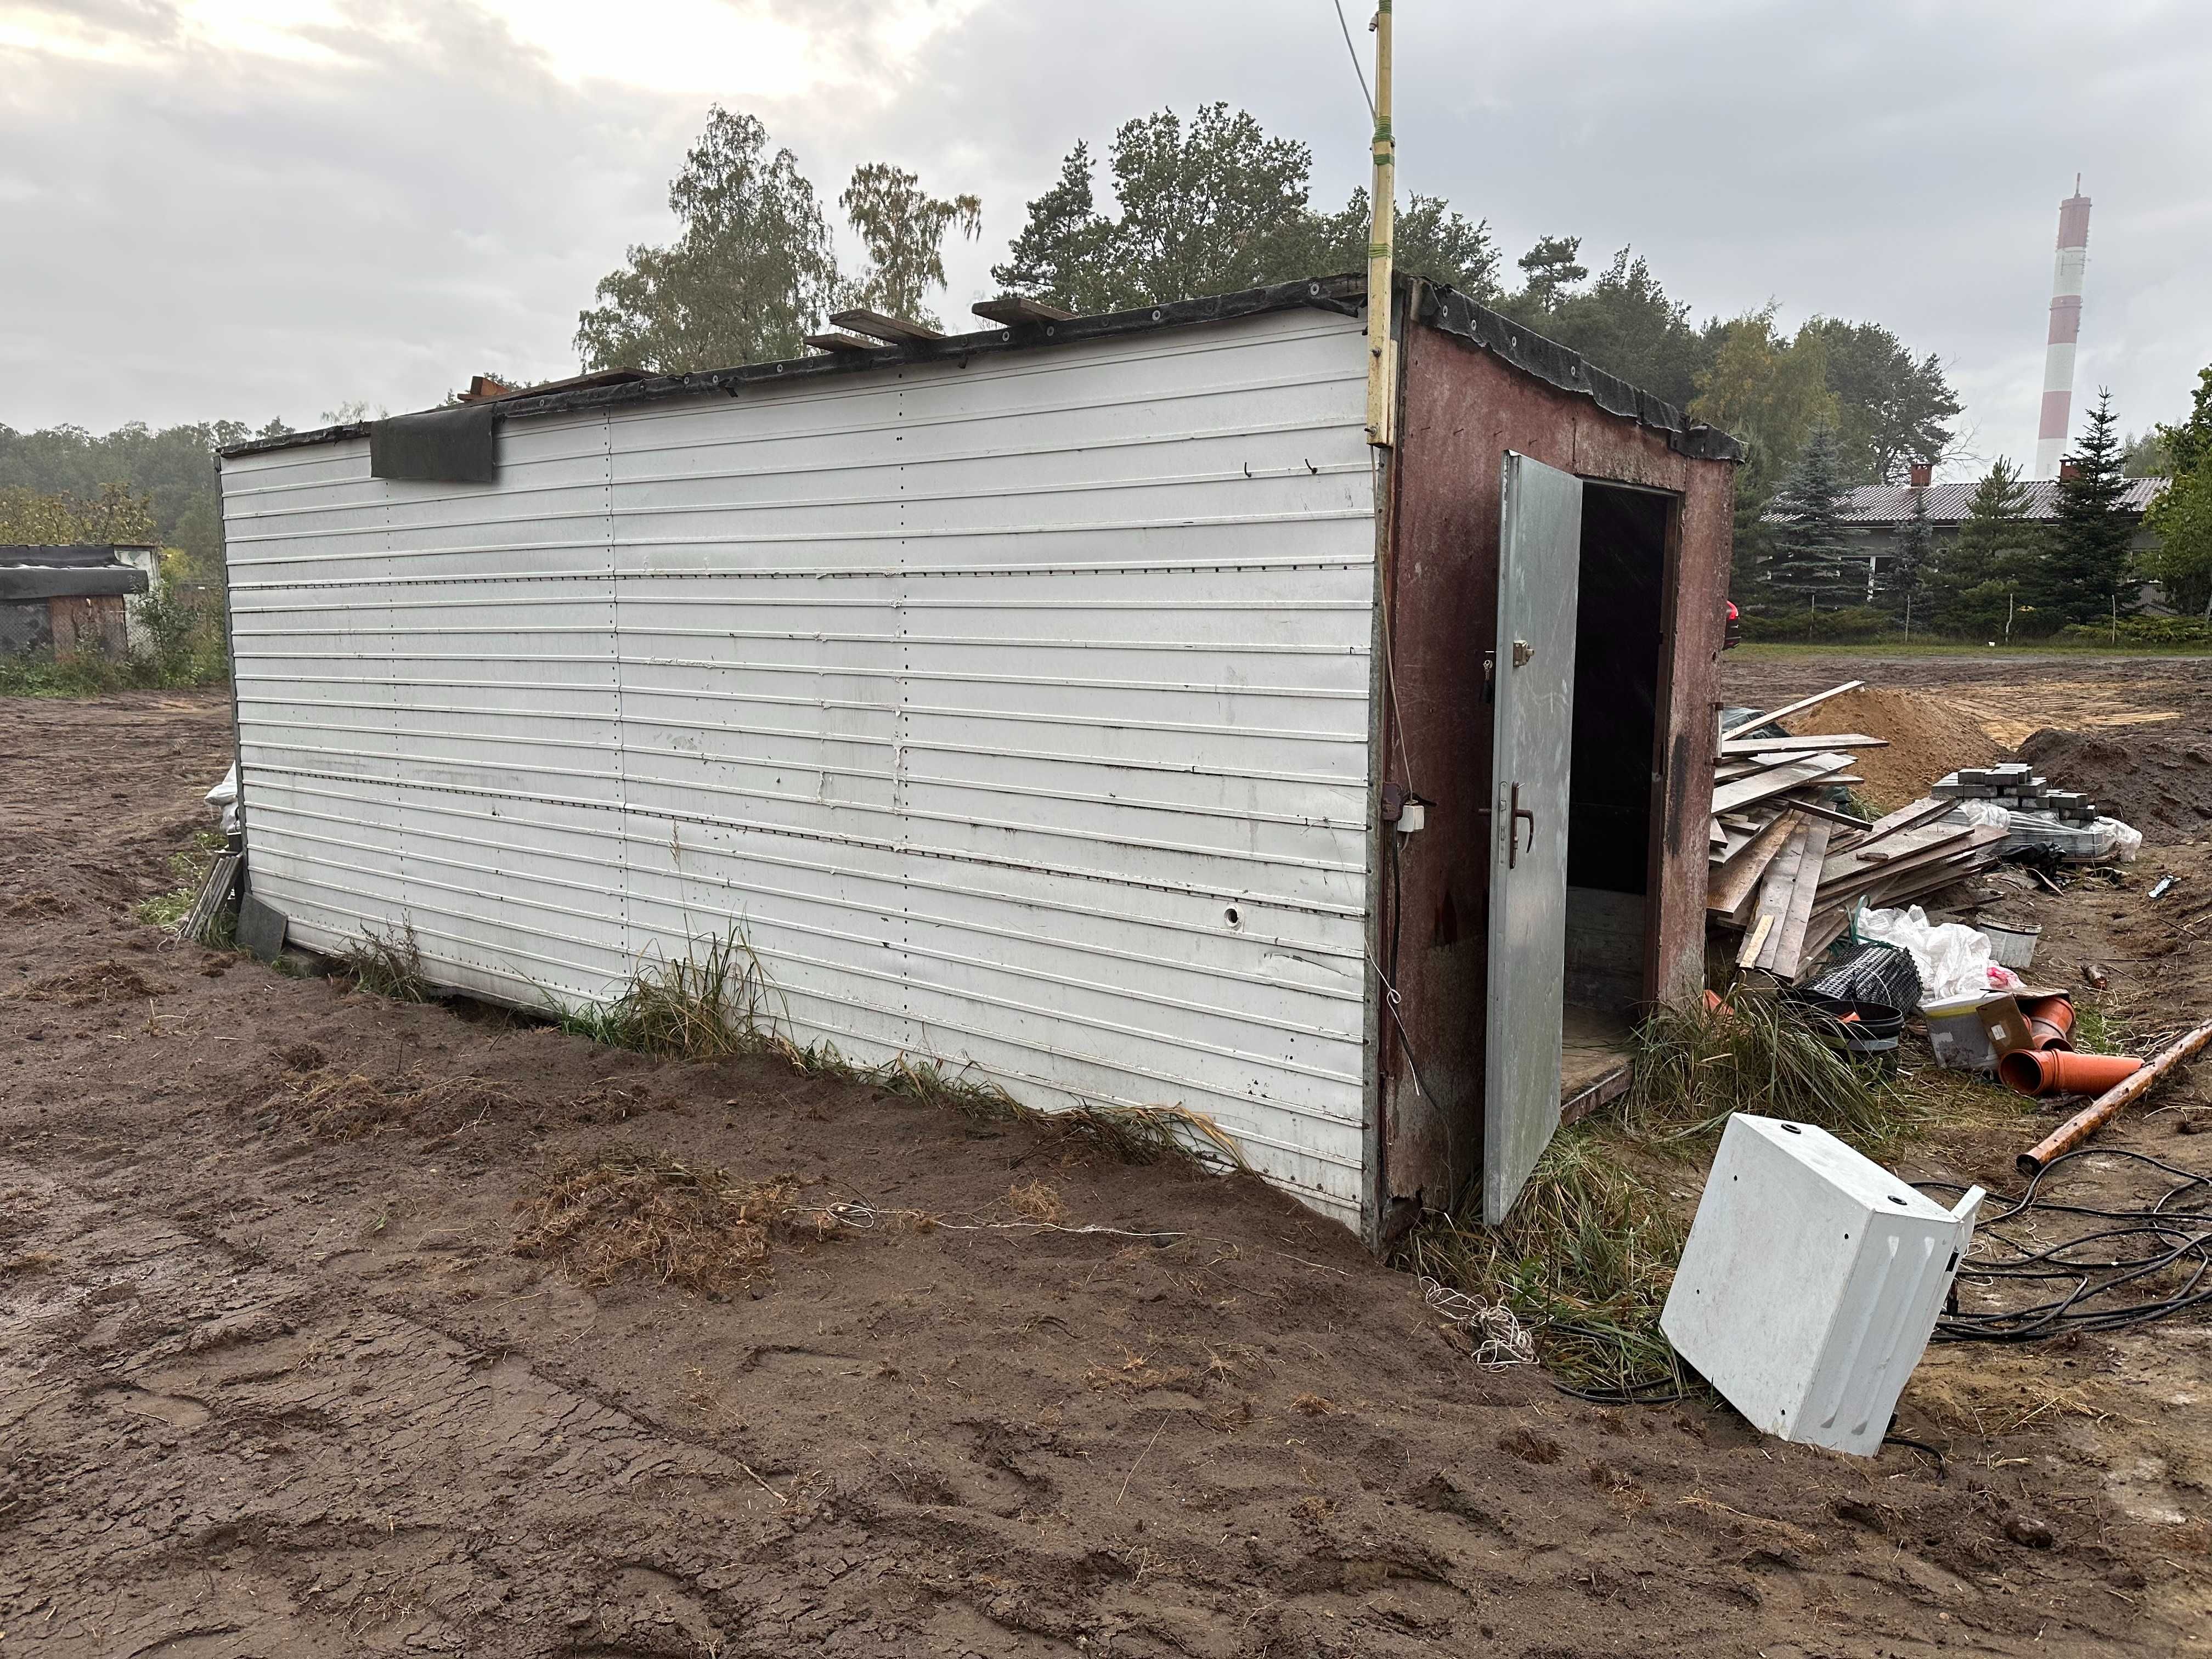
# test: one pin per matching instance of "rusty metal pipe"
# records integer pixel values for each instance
(2107, 1106)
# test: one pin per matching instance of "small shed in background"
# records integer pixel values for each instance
(71, 600)
(1081, 701)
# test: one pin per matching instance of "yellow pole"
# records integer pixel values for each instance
(1382, 379)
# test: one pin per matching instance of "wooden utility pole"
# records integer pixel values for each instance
(1381, 378)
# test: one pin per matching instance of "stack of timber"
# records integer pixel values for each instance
(1788, 867)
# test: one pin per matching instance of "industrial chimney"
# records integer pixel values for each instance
(2065, 330)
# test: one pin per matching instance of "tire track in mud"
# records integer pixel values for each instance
(375, 1471)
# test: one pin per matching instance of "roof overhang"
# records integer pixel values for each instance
(1442, 308)
(20, 582)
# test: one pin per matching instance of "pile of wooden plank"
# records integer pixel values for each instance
(1789, 866)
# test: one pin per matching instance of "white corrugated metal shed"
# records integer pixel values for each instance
(1017, 711)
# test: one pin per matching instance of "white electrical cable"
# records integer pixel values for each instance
(1354, 51)
(1505, 1341)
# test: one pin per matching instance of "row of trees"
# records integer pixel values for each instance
(2005, 571)
(1217, 203)
(133, 485)
(1210, 206)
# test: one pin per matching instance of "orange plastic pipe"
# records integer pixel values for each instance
(2057, 1011)
(2059, 1071)
(2108, 1105)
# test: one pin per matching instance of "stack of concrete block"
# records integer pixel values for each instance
(2015, 787)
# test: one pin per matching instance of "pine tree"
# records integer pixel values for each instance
(1970, 591)
(2083, 577)
(1810, 551)
(1903, 579)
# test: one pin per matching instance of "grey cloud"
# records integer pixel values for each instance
(245, 236)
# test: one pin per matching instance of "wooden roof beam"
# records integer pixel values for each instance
(877, 326)
(1012, 310)
(840, 342)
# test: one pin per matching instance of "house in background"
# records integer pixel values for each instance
(72, 600)
(1874, 514)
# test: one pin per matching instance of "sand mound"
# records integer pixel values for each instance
(1928, 737)
(2162, 785)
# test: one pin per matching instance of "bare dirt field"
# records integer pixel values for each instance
(295, 1358)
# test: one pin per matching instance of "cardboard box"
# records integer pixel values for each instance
(2005, 1025)
(1972, 1033)
(1955, 1032)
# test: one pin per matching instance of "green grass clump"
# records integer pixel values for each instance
(710, 1005)
(1694, 1065)
(1588, 1254)
(1585, 1258)
(387, 964)
(2098, 1031)
(188, 868)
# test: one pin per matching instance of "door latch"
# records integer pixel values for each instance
(1513, 830)
(1522, 651)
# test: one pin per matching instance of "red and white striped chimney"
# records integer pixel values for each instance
(2066, 330)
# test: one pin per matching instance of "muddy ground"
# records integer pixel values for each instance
(274, 1379)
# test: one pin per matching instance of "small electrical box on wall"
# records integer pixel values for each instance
(1403, 810)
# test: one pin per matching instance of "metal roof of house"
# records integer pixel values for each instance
(1947, 503)
(31, 574)
(1442, 308)
(70, 555)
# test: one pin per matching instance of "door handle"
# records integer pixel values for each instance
(1513, 829)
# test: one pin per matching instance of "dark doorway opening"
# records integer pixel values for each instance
(1617, 637)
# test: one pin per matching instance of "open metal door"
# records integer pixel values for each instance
(1539, 569)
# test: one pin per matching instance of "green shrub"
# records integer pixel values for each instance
(1851, 624)
(184, 643)
(2192, 631)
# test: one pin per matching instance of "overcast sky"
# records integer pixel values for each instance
(258, 208)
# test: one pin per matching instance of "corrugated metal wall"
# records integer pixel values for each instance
(1018, 714)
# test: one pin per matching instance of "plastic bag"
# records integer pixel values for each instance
(224, 799)
(1982, 814)
(1953, 959)
(2127, 839)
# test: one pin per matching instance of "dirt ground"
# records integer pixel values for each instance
(275, 1380)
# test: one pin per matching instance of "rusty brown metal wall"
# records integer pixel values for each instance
(1463, 408)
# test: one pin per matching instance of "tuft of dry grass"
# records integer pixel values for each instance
(1694, 1065)
(188, 869)
(348, 1106)
(106, 981)
(388, 964)
(717, 1004)
(633, 1211)
(1037, 1201)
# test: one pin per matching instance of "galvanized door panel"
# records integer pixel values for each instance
(1539, 568)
